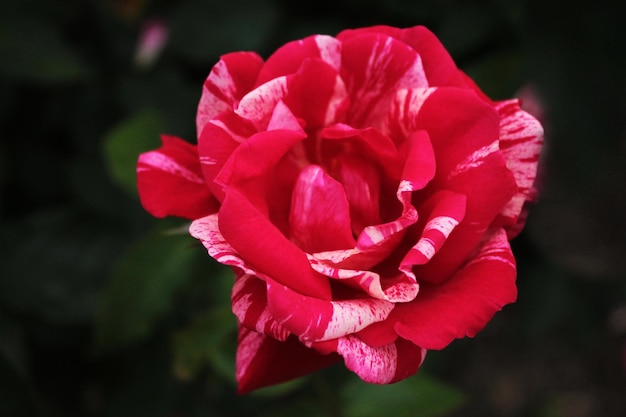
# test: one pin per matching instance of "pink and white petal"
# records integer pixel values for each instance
(420, 164)
(262, 361)
(320, 216)
(462, 127)
(259, 154)
(232, 77)
(249, 304)
(399, 289)
(465, 303)
(265, 248)
(374, 66)
(382, 364)
(288, 58)
(258, 105)
(438, 65)
(218, 140)
(403, 110)
(313, 319)
(316, 94)
(206, 230)
(170, 181)
(487, 187)
(521, 138)
(446, 210)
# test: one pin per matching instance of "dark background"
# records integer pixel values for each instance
(105, 311)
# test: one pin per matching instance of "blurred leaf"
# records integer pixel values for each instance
(209, 340)
(35, 50)
(142, 288)
(166, 90)
(126, 141)
(418, 396)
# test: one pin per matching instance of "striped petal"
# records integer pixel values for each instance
(232, 77)
(170, 181)
(521, 137)
(476, 293)
(249, 304)
(401, 288)
(446, 209)
(320, 215)
(288, 58)
(438, 65)
(312, 319)
(382, 364)
(263, 361)
(374, 67)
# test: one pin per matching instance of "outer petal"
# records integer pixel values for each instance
(464, 131)
(249, 301)
(218, 140)
(521, 137)
(263, 361)
(464, 304)
(378, 365)
(312, 319)
(170, 181)
(229, 80)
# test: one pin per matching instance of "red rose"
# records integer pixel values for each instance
(363, 189)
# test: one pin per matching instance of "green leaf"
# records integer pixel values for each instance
(207, 341)
(124, 143)
(418, 396)
(34, 50)
(142, 289)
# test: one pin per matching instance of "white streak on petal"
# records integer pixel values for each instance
(475, 159)
(233, 135)
(443, 224)
(330, 50)
(161, 162)
(258, 105)
(354, 315)
(375, 365)
(249, 344)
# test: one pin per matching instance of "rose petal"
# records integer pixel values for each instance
(361, 183)
(398, 289)
(229, 80)
(448, 209)
(288, 58)
(464, 304)
(263, 361)
(383, 364)
(521, 137)
(437, 63)
(266, 249)
(170, 181)
(218, 140)
(316, 94)
(312, 319)
(373, 67)
(320, 215)
(249, 303)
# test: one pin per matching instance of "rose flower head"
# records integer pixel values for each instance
(363, 189)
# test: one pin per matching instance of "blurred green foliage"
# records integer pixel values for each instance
(105, 311)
